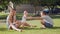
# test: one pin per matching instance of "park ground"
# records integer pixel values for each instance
(36, 30)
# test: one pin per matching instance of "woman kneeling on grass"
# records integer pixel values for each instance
(11, 19)
(46, 21)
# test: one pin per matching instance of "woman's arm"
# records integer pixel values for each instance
(14, 19)
(9, 21)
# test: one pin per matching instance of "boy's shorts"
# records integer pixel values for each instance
(48, 25)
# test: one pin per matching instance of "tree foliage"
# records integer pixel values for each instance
(4, 3)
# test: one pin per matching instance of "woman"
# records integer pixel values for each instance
(11, 19)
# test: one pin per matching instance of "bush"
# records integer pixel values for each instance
(4, 16)
(18, 16)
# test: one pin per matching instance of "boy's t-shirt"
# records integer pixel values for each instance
(47, 19)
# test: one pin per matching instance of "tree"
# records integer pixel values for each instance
(48, 3)
(35, 3)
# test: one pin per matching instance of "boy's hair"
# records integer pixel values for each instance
(44, 13)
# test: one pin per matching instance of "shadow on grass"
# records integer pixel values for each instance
(3, 29)
(40, 28)
(55, 28)
(31, 28)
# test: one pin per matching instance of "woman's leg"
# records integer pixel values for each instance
(14, 28)
(17, 23)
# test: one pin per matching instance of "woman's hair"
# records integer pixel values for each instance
(14, 9)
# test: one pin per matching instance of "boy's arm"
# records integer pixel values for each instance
(35, 18)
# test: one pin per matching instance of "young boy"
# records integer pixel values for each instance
(46, 21)
(25, 14)
(23, 21)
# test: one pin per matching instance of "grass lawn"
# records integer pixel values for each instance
(36, 30)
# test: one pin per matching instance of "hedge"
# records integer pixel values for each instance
(4, 16)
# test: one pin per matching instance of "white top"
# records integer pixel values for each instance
(8, 19)
(11, 25)
(48, 19)
(23, 19)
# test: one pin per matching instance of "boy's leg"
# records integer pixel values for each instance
(26, 24)
(43, 24)
(46, 25)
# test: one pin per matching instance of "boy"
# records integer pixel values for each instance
(23, 21)
(25, 14)
(46, 21)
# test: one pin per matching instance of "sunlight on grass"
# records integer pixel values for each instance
(36, 30)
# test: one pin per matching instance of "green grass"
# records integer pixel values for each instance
(36, 30)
